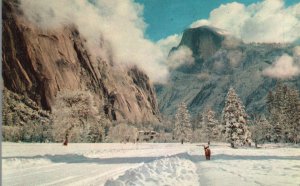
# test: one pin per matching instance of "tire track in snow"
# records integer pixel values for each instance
(99, 178)
(88, 177)
(30, 170)
(35, 170)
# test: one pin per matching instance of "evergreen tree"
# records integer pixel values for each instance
(293, 116)
(183, 127)
(261, 130)
(197, 122)
(276, 133)
(284, 113)
(210, 125)
(234, 120)
(279, 113)
(270, 102)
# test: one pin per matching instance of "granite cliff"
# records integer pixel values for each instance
(38, 63)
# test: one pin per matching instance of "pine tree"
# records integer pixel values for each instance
(276, 133)
(197, 122)
(210, 125)
(234, 120)
(278, 113)
(183, 127)
(296, 126)
(261, 130)
(284, 113)
(270, 101)
(293, 116)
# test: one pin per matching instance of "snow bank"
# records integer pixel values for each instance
(167, 171)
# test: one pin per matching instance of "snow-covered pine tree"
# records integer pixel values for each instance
(270, 101)
(261, 130)
(293, 116)
(183, 127)
(296, 127)
(274, 112)
(283, 113)
(210, 125)
(197, 122)
(234, 120)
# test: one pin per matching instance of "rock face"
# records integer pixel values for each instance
(203, 42)
(221, 62)
(38, 63)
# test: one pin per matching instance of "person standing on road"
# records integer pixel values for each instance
(66, 140)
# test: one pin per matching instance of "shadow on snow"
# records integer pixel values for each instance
(75, 158)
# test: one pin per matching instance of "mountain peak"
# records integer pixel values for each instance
(204, 41)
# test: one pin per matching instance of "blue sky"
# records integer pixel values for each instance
(167, 17)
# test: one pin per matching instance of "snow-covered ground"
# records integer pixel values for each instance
(148, 164)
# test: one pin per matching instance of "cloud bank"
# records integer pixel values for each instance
(183, 55)
(169, 42)
(283, 68)
(115, 27)
(268, 21)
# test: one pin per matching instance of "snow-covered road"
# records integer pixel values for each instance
(147, 164)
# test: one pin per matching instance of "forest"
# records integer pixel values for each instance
(78, 117)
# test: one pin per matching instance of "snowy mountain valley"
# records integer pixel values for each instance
(104, 92)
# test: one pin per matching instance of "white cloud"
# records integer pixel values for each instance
(267, 21)
(201, 22)
(169, 42)
(283, 68)
(115, 27)
(183, 55)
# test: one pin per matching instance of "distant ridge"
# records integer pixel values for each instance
(221, 61)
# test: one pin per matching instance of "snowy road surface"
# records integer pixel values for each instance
(148, 164)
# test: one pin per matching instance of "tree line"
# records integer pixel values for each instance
(77, 115)
(281, 122)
